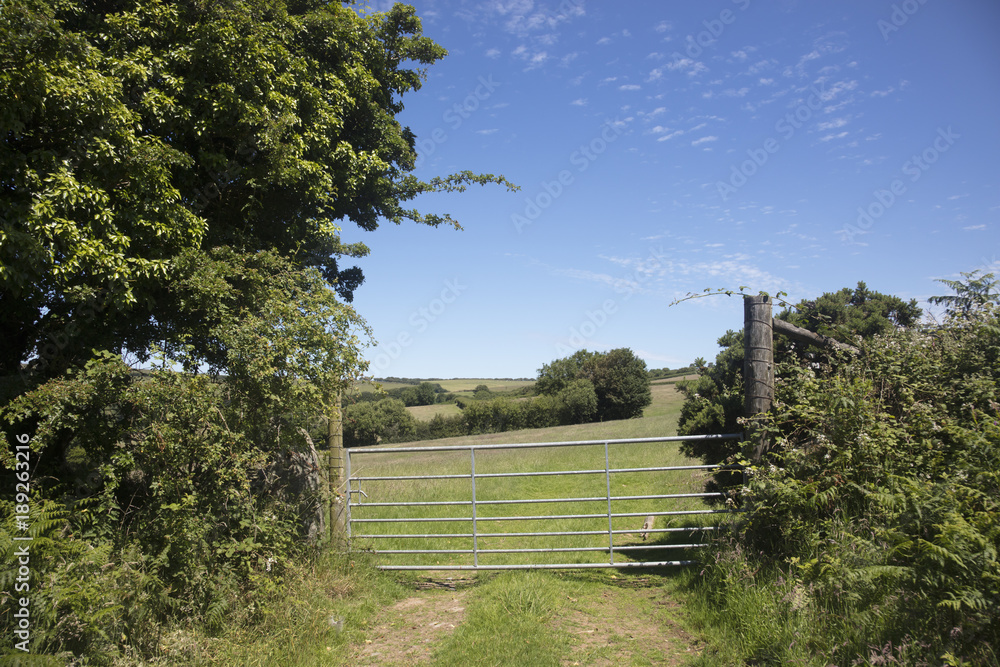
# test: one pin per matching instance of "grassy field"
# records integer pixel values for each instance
(427, 412)
(344, 611)
(470, 384)
(659, 420)
(456, 385)
(665, 409)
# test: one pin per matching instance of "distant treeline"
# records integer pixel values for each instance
(663, 373)
(582, 388)
(396, 380)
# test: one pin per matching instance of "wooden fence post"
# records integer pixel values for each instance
(758, 365)
(335, 468)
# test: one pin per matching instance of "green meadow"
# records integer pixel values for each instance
(443, 507)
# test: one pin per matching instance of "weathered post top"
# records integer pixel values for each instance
(758, 362)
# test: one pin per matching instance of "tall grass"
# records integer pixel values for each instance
(507, 625)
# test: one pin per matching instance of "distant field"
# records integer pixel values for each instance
(659, 418)
(456, 385)
(666, 404)
(470, 384)
(438, 498)
(673, 380)
(426, 412)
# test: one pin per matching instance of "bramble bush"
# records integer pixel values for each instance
(877, 514)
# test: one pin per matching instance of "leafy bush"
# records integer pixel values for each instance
(576, 403)
(440, 427)
(880, 505)
(369, 423)
(619, 380)
(185, 486)
(495, 416)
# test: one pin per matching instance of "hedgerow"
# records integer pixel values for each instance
(877, 513)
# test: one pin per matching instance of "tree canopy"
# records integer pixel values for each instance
(133, 131)
(971, 295)
(619, 380)
(173, 181)
(714, 402)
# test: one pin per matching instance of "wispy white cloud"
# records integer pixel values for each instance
(668, 137)
(762, 66)
(704, 140)
(833, 124)
(731, 92)
(660, 271)
(581, 102)
(534, 59)
(692, 67)
(493, 130)
(630, 86)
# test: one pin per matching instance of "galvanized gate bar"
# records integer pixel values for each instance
(541, 566)
(475, 545)
(562, 443)
(685, 529)
(543, 500)
(476, 517)
(543, 517)
(607, 477)
(542, 473)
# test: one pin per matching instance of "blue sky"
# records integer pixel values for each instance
(663, 148)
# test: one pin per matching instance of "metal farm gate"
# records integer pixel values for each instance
(432, 504)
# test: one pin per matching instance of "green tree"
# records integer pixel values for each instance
(618, 379)
(200, 476)
(972, 294)
(554, 376)
(576, 403)
(858, 312)
(714, 402)
(426, 393)
(620, 382)
(367, 423)
(135, 130)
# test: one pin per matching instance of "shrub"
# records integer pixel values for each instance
(576, 403)
(618, 378)
(881, 501)
(368, 423)
(495, 416)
